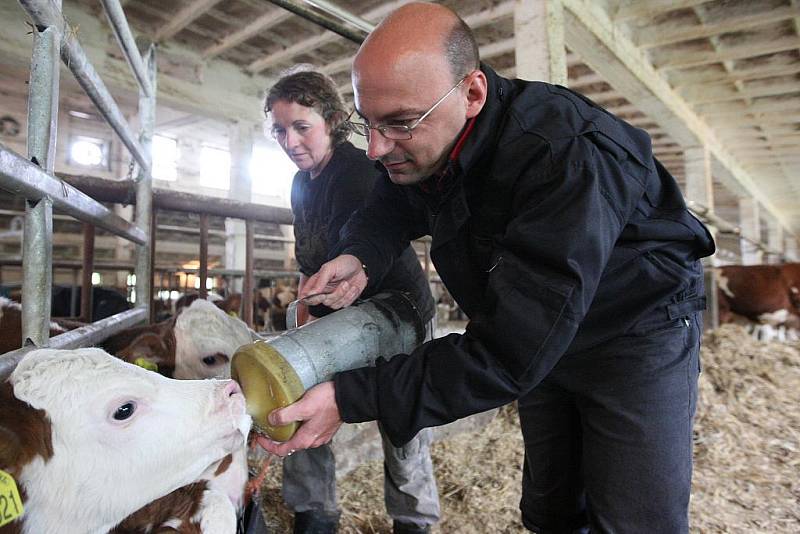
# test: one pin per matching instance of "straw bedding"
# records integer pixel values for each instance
(747, 466)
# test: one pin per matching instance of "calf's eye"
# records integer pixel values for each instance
(215, 359)
(125, 411)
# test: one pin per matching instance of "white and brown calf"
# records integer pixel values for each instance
(92, 440)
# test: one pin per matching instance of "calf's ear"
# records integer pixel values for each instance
(24, 432)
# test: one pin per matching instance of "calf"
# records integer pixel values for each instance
(198, 343)
(90, 440)
(765, 294)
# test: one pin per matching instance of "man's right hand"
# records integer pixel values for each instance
(338, 283)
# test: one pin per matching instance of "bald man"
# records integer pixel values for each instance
(571, 250)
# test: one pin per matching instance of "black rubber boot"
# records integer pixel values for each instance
(409, 528)
(316, 522)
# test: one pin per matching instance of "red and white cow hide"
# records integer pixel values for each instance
(767, 295)
(11, 325)
(91, 440)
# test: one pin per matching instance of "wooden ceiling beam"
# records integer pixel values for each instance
(183, 18)
(626, 10)
(709, 96)
(674, 32)
(684, 81)
(608, 51)
(685, 60)
(270, 19)
(476, 20)
(318, 41)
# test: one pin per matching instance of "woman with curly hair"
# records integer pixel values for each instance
(309, 122)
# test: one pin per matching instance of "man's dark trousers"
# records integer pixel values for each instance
(608, 434)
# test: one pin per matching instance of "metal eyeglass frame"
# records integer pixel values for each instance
(404, 131)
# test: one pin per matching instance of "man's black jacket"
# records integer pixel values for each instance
(559, 232)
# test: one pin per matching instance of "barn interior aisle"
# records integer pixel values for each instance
(746, 443)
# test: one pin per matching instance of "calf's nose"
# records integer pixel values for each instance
(232, 389)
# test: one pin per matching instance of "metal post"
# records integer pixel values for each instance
(151, 277)
(144, 187)
(47, 13)
(37, 248)
(711, 314)
(249, 262)
(203, 255)
(88, 269)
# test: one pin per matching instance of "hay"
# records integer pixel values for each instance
(747, 466)
(747, 436)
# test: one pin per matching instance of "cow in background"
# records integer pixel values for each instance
(197, 343)
(767, 295)
(11, 325)
(87, 457)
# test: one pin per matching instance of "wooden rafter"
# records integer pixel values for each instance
(677, 31)
(183, 18)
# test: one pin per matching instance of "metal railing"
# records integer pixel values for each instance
(34, 178)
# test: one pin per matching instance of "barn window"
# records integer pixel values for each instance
(215, 167)
(89, 152)
(271, 172)
(165, 158)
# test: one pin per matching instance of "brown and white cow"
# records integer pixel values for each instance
(768, 295)
(91, 440)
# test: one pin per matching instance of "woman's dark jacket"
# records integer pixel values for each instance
(322, 206)
(558, 231)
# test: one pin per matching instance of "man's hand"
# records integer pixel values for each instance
(337, 284)
(320, 415)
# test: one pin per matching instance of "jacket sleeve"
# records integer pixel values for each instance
(378, 233)
(348, 193)
(545, 270)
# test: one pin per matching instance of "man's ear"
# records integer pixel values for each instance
(477, 89)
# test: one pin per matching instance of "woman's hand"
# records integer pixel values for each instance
(338, 283)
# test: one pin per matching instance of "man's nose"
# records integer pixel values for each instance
(377, 145)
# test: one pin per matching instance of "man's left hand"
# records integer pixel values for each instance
(319, 413)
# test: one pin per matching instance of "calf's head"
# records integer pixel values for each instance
(90, 439)
(205, 339)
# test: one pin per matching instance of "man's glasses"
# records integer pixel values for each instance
(398, 132)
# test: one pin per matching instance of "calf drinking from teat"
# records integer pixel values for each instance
(89, 440)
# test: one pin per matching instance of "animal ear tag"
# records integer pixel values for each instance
(146, 364)
(10, 501)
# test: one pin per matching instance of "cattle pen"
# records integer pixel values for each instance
(81, 197)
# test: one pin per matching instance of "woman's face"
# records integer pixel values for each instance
(303, 135)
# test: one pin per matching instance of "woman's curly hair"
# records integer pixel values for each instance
(314, 90)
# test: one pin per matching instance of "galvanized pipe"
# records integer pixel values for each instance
(249, 264)
(122, 191)
(85, 336)
(45, 14)
(203, 255)
(119, 23)
(124, 266)
(37, 243)
(341, 14)
(144, 188)
(331, 21)
(22, 178)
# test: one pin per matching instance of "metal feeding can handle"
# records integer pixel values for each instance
(291, 310)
